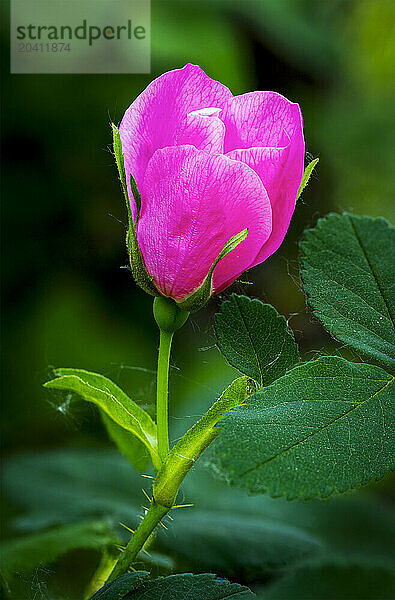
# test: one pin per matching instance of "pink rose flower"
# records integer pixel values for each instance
(209, 165)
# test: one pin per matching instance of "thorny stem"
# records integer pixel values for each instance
(152, 517)
(169, 318)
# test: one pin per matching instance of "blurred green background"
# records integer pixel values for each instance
(66, 302)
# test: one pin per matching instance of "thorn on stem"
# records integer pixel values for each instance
(146, 495)
(126, 527)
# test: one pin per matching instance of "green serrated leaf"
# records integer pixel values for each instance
(193, 443)
(255, 339)
(324, 427)
(130, 446)
(333, 583)
(348, 274)
(306, 176)
(178, 587)
(201, 296)
(101, 391)
(26, 553)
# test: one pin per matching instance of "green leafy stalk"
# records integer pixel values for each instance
(188, 449)
(179, 462)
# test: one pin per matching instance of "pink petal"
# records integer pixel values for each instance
(259, 119)
(280, 170)
(262, 119)
(204, 130)
(192, 204)
(153, 119)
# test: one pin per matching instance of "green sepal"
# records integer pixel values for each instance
(118, 155)
(200, 297)
(137, 266)
(139, 271)
(136, 195)
(306, 176)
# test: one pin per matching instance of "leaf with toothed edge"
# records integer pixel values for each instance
(175, 587)
(255, 339)
(324, 427)
(348, 276)
(230, 531)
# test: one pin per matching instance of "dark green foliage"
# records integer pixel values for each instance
(348, 274)
(226, 531)
(233, 533)
(175, 587)
(73, 485)
(324, 427)
(255, 339)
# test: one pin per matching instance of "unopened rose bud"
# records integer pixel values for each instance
(218, 176)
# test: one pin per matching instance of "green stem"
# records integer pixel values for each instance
(103, 570)
(154, 514)
(169, 318)
(162, 393)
